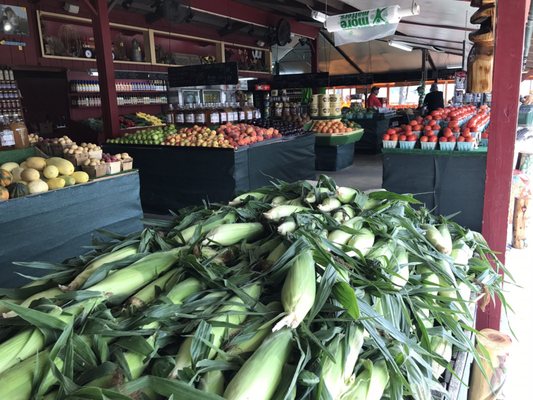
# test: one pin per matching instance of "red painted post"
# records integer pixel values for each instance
(509, 44)
(106, 69)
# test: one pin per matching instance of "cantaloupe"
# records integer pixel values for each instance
(30, 175)
(9, 166)
(55, 183)
(51, 172)
(16, 174)
(38, 186)
(37, 163)
(80, 177)
(65, 167)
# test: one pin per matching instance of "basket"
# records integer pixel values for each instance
(405, 145)
(465, 146)
(390, 144)
(436, 132)
(428, 145)
(445, 146)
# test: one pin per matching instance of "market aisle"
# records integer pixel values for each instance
(518, 385)
(365, 173)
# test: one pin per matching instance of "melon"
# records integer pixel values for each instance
(80, 177)
(55, 183)
(4, 194)
(16, 174)
(18, 189)
(69, 180)
(5, 177)
(23, 165)
(9, 166)
(65, 167)
(38, 186)
(51, 172)
(37, 163)
(30, 174)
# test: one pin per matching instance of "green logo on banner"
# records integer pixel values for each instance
(362, 19)
(378, 19)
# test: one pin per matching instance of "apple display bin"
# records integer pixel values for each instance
(445, 182)
(176, 177)
(55, 225)
(374, 128)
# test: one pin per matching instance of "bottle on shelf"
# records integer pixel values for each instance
(199, 115)
(180, 115)
(20, 132)
(223, 113)
(189, 114)
(7, 137)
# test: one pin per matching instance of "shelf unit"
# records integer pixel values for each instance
(152, 38)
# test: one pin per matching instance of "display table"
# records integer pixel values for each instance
(446, 182)
(371, 141)
(335, 152)
(175, 177)
(55, 225)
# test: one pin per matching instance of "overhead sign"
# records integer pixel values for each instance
(363, 26)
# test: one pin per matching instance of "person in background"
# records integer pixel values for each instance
(434, 99)
(372, 101)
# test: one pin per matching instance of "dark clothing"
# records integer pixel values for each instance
(434, 100)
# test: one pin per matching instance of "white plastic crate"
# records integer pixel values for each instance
(446, 146)
(465, 146)
(405, 145)
(390, 144)
(428, 145)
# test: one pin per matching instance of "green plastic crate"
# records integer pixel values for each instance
(336, 140)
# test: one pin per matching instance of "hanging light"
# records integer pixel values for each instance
(400, 45)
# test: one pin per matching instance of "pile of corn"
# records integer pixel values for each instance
(290, 292)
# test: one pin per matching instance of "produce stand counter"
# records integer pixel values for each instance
(335, 152)
(53, 226)
(374, 128)
(446, 182)
(174, 177)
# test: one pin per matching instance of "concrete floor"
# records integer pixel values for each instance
(365, 173)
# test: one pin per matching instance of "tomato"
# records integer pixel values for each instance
(402, 138)
(411, 138)
(408, 128)
(394, 137)
(485, 135)
(424, 139)
(428, 128)
(429, 118)
(443, 139)
(413, 122)
(470, 139)
(460, 139)
(433, 139)
(390, 132)
(429, 133)
(432, 122)
(446, 130)
(451, 139)
(466, 132)
(386, 136)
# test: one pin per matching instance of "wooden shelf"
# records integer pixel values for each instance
(123, 105)
(137, 92)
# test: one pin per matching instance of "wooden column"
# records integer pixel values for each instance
(106, 69)
(510, 27)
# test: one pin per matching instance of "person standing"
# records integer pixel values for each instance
(434, 99)
(373, 101)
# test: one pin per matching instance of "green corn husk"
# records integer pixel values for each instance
(233, 313)
(445, 233)
(363, 241)
(287, 227)
(107, 258)
(45, 294)
(382, 252)
(278, 201)
(213, 382)
(329, 204)
(370, 384)
(260, 375)
(311, 196)
(370, 204)
(149, 293)
(435, 237)
(346, 195)
(299, 290)
(230, 234)
(276, 254)
(461, 253)
(425, 316)
(353, 343)
(17, 382)
(186, 234)
(339, 237)
(125, 282)
(401, 269)
(443, 348)
(344, 214)
(283, 211)
(243, 197)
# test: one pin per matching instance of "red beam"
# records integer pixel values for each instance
(509, 44)
(106, 69)
(246, 13)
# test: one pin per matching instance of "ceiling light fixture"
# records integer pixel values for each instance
(400, 45)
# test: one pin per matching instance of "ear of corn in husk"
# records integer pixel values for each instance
(148, 293)
(278, 201)
(382, 252)
(276, 253)
(447, 238)
(363, 241)
(299, 290)
(246, 196)
(45, 294)
(187, 234)
(260, 375)
(287, 227)
(311, 196)
(329, 204)
(344, 214)
(370, 383)
(401, 276)
(346, 195)
(230, 234)
(107, 258)
(461, 253)
(435, 237)
(283, 211)
(443, 348)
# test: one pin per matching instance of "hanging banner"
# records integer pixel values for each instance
(362, 26)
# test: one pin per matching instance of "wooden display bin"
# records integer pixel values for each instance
(77, 159)
(126, 165)
(95, 171)
(113, 167)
